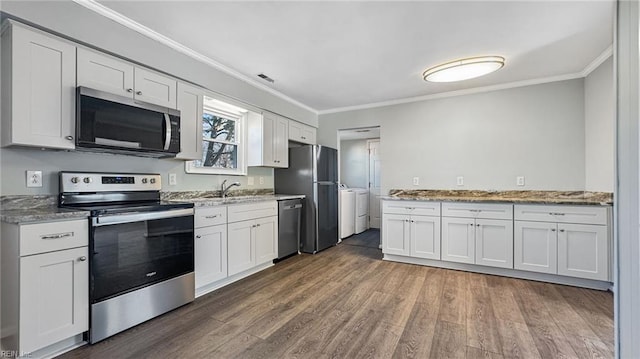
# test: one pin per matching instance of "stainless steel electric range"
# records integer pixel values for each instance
(141, 249)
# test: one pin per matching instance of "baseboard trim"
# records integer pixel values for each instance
(208, 288)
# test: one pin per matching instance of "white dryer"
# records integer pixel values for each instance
(362, 209)
(347, 212)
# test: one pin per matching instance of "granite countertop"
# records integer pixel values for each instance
(31, 209)
(540, 197)
(212, 198)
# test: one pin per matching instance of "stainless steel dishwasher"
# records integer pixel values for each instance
(289, 221)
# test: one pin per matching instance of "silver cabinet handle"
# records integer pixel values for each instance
(304, 138)
(258, 225)
(129, 90)
(562, 230)
(557, 214)
(82, 259)
(70, 138)
(57, 235)
(209, 217)
(138, 92)
(471, 224)
(553, 229)
(198, 236)
(477, 225)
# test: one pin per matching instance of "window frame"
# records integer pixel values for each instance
(229, 111)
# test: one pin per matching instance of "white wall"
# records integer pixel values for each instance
(600, 123)
(489, 138)
(82, 25)
(354, 163)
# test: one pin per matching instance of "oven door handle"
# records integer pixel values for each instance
(140, 217)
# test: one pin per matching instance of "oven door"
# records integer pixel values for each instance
(131, 251)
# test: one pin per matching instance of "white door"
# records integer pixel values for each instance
(458, 240)
(105, 73)
(583, 251)
(425, 237)
(395, 234)
(240, 249)
(54, 297)
(154, 88)
(266, 239)
(210, 254)
(281, 142)
(190, 102)
(374, 183)
(43, 90)
(535, 246)
(494, 243)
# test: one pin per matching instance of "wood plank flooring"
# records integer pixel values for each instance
(347, 303)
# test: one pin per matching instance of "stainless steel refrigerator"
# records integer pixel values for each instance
(313, 172)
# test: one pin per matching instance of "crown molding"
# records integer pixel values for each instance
(154, 35)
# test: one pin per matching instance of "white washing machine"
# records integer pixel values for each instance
(362, 210)
(347, 212)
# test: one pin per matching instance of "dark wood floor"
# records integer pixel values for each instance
(346, 303)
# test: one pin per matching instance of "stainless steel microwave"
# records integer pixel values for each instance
(112, 123)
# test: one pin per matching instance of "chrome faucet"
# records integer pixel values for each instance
(224, 189)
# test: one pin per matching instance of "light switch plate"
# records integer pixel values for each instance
(250, 181)
(460, 181)
(173, 179)
(416, 181)
(34, 178)
(520, 180)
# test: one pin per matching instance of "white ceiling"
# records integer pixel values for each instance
(330, 55)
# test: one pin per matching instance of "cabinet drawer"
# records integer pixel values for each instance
(243, 212)
(411, 207)
(477, 210)
(210, 216)
(561, 214)
(53, 236)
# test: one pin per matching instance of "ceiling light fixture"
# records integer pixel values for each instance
(464, 69)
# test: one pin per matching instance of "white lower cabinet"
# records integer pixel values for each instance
(54, 297)
(458, 240)
(494, 243)
(415, 236)
(210, 248)
(535, 247)
(556, 246)
(252, 243)
(45, 284)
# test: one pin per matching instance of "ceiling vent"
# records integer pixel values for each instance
(266, 78)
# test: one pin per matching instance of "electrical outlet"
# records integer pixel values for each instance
(250, 181)
(173, 179)
(261, 180)
(460, 181)
(416, 181)
(520, 180)
(34, 178)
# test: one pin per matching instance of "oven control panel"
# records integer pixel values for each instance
(106, 182)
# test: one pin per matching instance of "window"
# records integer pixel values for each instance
(223, 140)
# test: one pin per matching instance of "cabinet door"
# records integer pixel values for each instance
(190, 101)
(395, 234)
(535, 246)
(458, 243)
(494, 243)
(240, 249)
(300, 132)
(583, 251)
(308, 135)
(425, 237)
(266, 239)
(154, 88)
(54, 297)
(268, 139)
(105, 73)
(210, 254)
(281, 143)
(43, 87)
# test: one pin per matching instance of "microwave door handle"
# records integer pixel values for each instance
(167, 131)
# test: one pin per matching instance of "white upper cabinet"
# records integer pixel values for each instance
(268, 140)
(190, 101)
(38, 89)
(299, 132)
(107, 73)
(104, 73)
